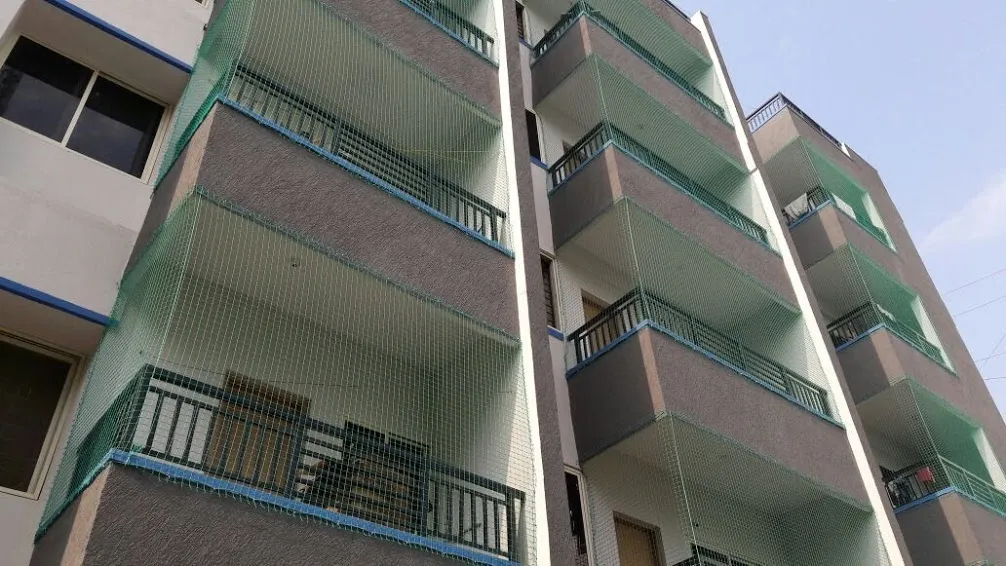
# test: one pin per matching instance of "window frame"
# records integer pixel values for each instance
(167, 110)
(588, 528)
(549, 286)
(60, 416)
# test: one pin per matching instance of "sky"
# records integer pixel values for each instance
(918, 88)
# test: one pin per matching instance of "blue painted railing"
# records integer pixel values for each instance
(817, 198)
(178, 420)
(638, 306)
(333, 136)
(777, 104)
(604, 133)
(862, 320)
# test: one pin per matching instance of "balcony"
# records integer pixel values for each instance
(677, 328)
(604, 135)
(871, 316)
(415, 194)
(857, 297)
(671, 44)
(333, 473)
(250, 361)
(807, 180)
(641, 307)
(678, 484)
(939, 469)
(588, 76)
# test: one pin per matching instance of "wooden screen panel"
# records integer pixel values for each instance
(255, 435)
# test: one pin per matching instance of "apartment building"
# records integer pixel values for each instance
(456, 281)
(933, 428)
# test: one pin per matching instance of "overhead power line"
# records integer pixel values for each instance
(979, 280)
(982, 306)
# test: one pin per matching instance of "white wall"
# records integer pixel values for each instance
(67, 222)
(620, 484)
(172, 26)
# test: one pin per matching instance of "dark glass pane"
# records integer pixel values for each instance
(40, 89)
(534, 146)
(117, 127)
(30, 386)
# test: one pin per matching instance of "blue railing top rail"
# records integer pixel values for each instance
(775, 105)
(604, 133)
(582, 8)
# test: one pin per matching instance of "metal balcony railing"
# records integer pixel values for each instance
(921, 480)
(457, 25)
(818, 197)
(638, 306)
(604, 133)
(380, 478)
(582, 8)
(333, 137)
(775, 105)
(860, 321)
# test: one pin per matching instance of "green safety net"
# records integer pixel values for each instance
(856, 294)
(678, 494)
(308, 70)
(924, 445)
(804, 179)
(629, 267)
(263, 365)
(596, 105)
(667, 41)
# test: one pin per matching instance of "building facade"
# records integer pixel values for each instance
(457, 281)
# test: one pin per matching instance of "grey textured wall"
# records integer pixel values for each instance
(583, 197)
(937, 533)
(139, 518)
(618, 392)
(700, 223)
(412, 35)
(549, 71)
(614, 395)
(268, 174)
(721, 400)
(659, 87)
(679, 23)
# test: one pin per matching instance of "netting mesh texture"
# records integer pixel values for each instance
(856, 295)
(628, 267)
(805, 180)
(674, 493)
(306, 69)
(260, 363)
(924, 445)
(650, 37)
(596, 105)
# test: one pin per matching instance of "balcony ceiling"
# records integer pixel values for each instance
(305, 47)
(587, 96)
(847, 279)
(724, 467)
(636, 248)
(249, 261)
(799, 167)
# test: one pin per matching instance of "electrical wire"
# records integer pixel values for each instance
(981, 306)
(971, 282)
